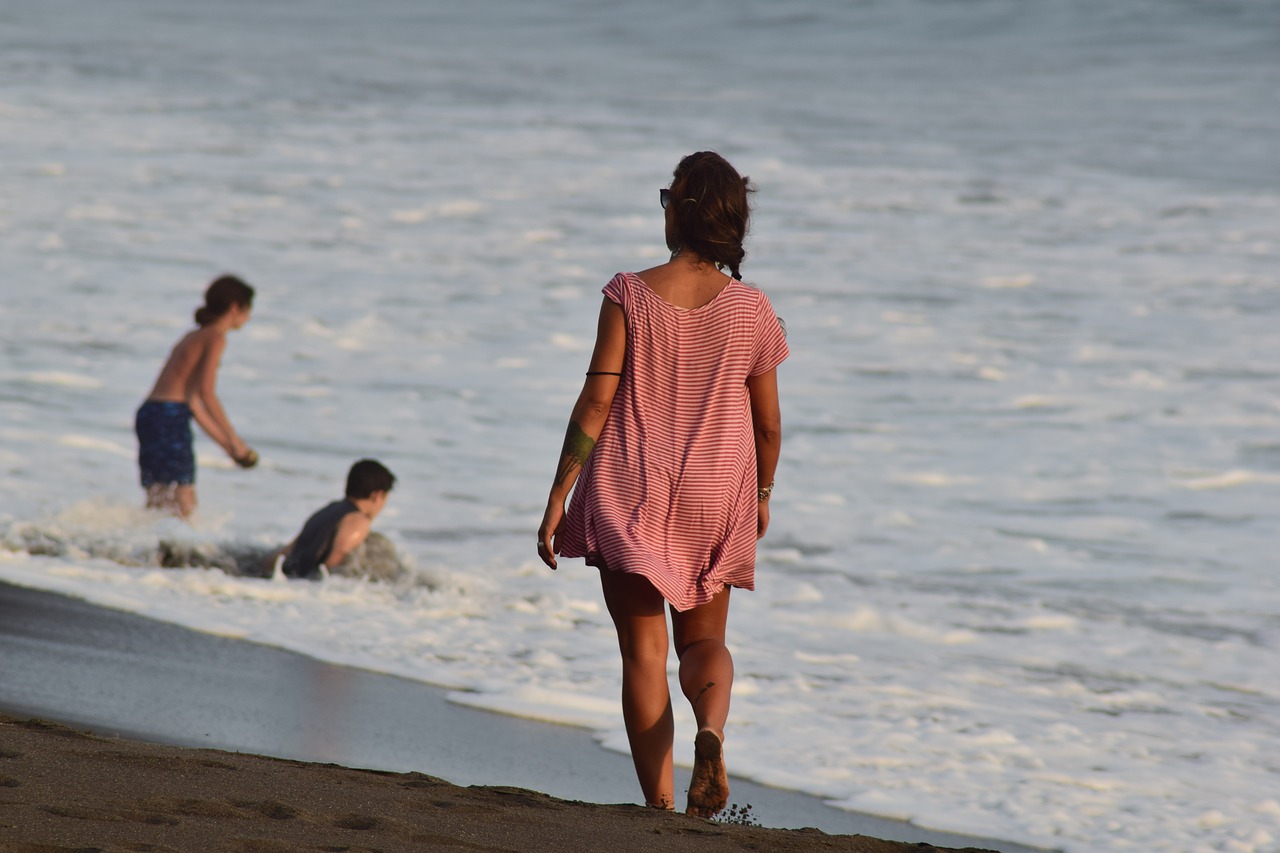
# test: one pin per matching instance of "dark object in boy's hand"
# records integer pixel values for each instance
(249, 459)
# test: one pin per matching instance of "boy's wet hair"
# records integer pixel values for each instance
(368, 476)
(225, 292)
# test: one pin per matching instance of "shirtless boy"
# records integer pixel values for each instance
(332, 533)
(186, 388)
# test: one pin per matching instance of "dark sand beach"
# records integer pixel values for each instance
(64, 790)
(171, 739)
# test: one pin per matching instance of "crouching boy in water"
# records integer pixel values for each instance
(186, 388)
(334, 532)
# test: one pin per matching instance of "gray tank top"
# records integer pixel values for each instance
(316, 539)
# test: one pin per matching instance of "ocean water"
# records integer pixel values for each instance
(1021, 579)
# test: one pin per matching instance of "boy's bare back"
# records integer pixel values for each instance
(193, 362)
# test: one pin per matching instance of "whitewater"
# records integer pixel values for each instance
(1021, 576)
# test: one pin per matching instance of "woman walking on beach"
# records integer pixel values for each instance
(186, 388)
(672, 445)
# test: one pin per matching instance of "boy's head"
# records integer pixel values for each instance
(368, 476)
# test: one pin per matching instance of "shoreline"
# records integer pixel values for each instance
(64, 789)
(116, 673)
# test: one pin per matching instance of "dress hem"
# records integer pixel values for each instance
(703, 594)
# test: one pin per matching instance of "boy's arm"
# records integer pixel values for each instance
(205, 405)
(352, 531)
(208, 424)
(269, 561)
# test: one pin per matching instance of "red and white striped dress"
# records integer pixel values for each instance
(670, 490)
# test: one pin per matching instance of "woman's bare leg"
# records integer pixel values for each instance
(706, 677)
(641, 621)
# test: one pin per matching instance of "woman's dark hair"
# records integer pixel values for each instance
(221, 296)
(711, 211)
(368, 476)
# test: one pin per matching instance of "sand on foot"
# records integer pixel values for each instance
(709, 783)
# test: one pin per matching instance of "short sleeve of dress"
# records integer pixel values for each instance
(770, 345)
(618, 289)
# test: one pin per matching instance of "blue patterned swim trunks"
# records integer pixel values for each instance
(166, 453)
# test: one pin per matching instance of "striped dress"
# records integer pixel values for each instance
(670, 490)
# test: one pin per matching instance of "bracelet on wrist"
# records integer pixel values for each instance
(764, 491)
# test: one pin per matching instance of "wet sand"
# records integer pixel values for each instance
(145, 687)
(61, 789)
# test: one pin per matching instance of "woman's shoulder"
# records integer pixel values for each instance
(748, 292)
(619, 286)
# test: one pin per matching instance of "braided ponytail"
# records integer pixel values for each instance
(712, 210)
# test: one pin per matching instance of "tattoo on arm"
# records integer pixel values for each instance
(577, 447)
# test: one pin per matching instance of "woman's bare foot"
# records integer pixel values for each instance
(709, 785)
